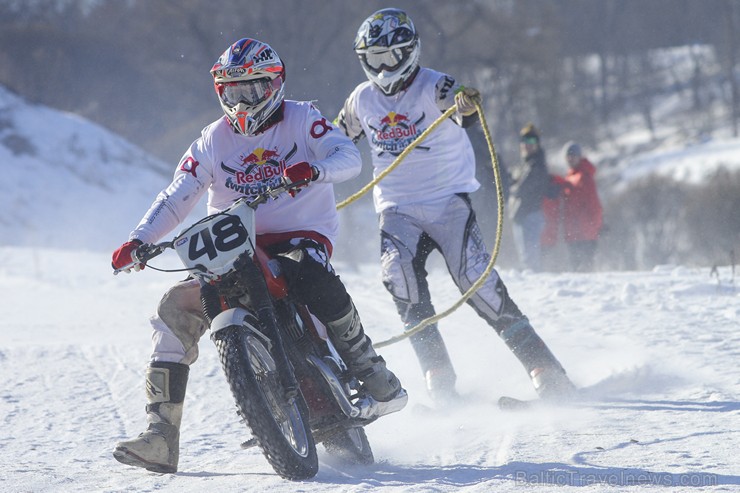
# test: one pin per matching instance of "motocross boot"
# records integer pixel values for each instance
(158, 447)
(439, 374)
(357, 351)
(440, 383)
(547, 374)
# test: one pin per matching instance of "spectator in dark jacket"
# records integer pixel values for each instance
(531, 184)
(582, 213)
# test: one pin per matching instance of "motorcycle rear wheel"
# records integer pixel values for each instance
(350, 445)
(280, 427)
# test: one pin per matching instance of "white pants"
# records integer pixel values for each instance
(409, 233)
(179, 308)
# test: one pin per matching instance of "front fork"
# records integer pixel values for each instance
(264, 310)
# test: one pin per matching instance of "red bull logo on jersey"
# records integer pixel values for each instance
(261, 157)
(257, 169)
(392, 119)
(395, 132)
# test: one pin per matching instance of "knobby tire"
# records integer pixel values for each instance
(350, 445)
(256, 393)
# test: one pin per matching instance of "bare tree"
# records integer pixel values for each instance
(730, 9)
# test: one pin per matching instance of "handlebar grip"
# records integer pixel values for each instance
(144, 253)
(295, 184)
(140, 255)
(147, 251)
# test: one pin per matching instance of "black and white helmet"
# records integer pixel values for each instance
(388, 47)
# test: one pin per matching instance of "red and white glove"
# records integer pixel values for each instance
(124, 256)
(301, 173)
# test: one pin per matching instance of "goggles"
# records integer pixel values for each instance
(387, 59)
(249, 92)
(530, 140)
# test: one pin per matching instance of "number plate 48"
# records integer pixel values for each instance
(216, 241)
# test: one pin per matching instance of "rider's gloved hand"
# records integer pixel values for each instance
(124, 255)
(301, 173)
(466, 99)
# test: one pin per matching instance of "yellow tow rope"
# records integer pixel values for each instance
(499, 224)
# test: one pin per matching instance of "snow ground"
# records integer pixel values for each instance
(657, 351)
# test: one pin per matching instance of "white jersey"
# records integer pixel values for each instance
(442, 165)
(230, 166)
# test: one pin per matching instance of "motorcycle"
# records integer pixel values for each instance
(289, 383)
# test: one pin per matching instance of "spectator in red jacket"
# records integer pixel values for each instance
(582, 212)
(552, 235)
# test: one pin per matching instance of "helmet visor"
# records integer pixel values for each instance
(249, 92)
(387, 59)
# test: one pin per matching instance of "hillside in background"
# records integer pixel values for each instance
(67, 182)
(70, 183)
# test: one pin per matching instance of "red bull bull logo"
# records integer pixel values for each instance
(261, 157)
(261, 164)
(392, 119)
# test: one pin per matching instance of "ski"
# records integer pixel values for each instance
(424, 410)
(443, 408)
(506, 403)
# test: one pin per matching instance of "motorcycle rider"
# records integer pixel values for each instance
(424, 204)
(261, 140)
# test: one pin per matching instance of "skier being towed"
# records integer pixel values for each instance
(424, 203)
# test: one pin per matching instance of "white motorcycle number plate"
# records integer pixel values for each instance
(216, 241)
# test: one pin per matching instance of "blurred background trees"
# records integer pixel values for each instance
(574, 67)
(140, 67)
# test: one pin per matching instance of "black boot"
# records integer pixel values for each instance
(435, 364)
(547, 374)
(357, 351)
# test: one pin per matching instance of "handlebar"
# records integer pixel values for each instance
(143, 254)
(148, 251)
(273, 193)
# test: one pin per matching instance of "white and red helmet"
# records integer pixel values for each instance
(388, 47)
(248, 78)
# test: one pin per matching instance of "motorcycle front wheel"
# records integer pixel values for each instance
(279, 426)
